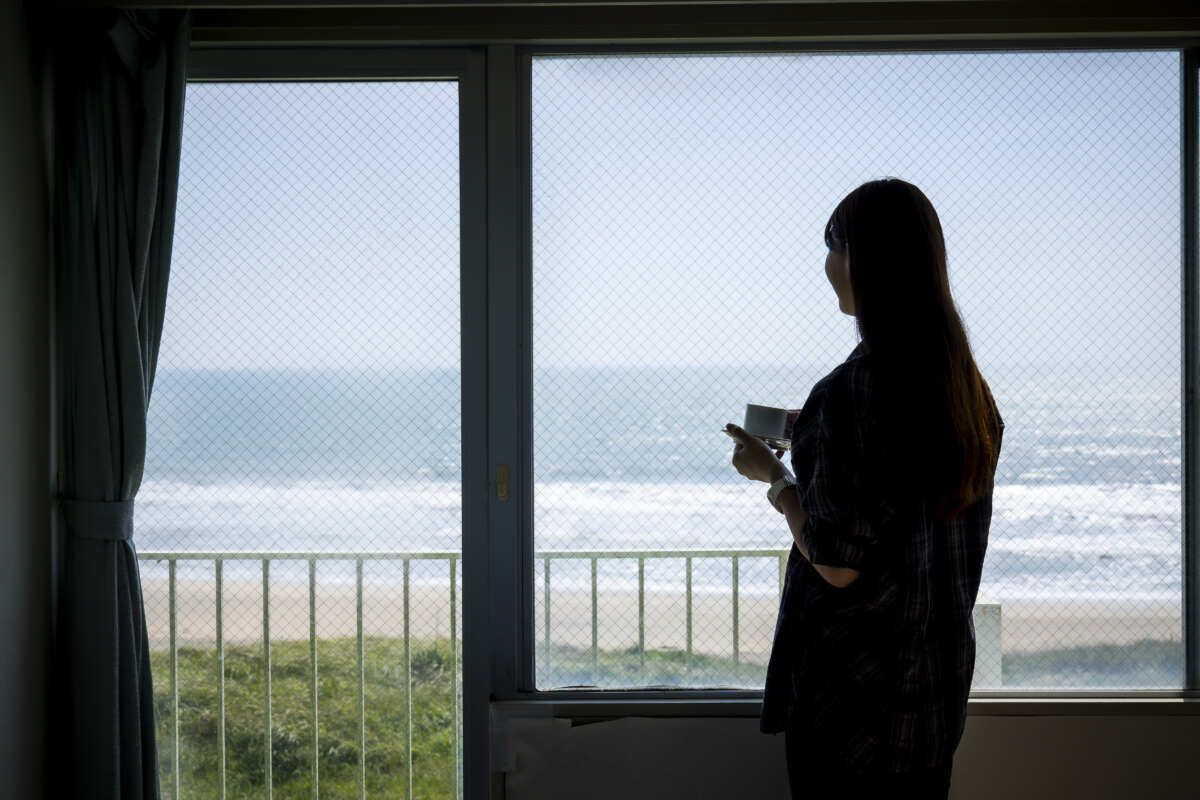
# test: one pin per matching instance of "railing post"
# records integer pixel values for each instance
(546, 570)
(595, 629)
(362, 689)
(174, 684)
(454, 671)
(267, 743)
(689, 616)
(312, 654)
(736, 660)
(221, 679)
(407, 687)
(642, 612)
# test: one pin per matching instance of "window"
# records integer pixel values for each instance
(301, 505)
(679, 204)
(337, 416)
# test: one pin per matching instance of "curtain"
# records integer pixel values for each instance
(118, 81)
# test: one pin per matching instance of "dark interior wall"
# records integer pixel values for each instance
(1000, 758)
(25, 482)
(1029, 757)
(667, 21)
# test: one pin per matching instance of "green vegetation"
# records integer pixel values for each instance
(1142, 664)
(433, 723)
(385, 718)
(1145, 664)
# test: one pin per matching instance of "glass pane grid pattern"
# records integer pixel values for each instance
(679, 203)
(299, 519)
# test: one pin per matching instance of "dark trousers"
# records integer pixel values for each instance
(811, 777)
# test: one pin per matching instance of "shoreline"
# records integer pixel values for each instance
(1027, 624)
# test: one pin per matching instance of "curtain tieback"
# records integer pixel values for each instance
(90, 519)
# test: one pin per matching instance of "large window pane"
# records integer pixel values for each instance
(678, 210)
(304, 423)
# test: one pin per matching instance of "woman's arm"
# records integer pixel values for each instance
(841, 577)
(755, 460)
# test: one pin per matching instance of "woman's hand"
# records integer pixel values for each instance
(753, 458)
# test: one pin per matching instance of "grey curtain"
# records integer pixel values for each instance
(118, 82)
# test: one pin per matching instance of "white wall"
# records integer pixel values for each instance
(1000, 758)
(24, 418)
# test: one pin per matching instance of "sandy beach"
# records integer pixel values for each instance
(1025, 625)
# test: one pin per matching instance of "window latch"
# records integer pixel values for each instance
(502, 482)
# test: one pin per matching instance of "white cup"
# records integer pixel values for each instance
(766, 422)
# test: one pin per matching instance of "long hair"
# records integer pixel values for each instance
(939, 419)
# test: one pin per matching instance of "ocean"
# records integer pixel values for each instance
(1087, 501)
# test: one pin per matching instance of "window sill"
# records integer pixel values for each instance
(1006, 704)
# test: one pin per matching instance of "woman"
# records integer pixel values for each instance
(894, 455)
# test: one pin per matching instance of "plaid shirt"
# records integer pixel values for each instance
(878, 672)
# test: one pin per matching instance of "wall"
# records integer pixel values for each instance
(1000, 758)
(1027, 757)
(24, 417)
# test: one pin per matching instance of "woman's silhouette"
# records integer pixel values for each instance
(895, 455)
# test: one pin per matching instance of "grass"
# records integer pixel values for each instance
(1142, 664)
(1145, 664)
(385, 722)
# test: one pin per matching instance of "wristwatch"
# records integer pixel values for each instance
(777, 488)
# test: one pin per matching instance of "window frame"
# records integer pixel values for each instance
(498, 631)
(466, 66)
(523, 698)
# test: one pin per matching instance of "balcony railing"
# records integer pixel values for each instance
(987, 620)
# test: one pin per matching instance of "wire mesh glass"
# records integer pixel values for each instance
(679, 204)
(299, 518)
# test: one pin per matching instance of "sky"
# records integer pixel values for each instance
(678, 207)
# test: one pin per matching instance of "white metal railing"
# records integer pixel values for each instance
(312, 557)
(987, 618)
(641, 555)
